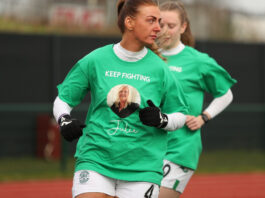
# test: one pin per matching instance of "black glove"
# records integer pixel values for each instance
(70, 128)
(152, 116)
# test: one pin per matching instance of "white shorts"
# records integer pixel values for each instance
(175, 177)
(90, 181)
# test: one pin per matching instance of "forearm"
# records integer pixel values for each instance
(175, 121)
(60, 108)
(219, 104)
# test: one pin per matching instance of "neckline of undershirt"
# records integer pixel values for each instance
(127, 55)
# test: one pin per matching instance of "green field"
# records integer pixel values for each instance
(27, 168)
(230, 161)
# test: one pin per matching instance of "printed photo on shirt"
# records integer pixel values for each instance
(123, 100)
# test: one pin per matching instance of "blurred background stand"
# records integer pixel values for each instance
(48, 138)
(40, 41)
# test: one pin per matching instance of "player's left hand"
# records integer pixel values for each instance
(194, 123)
(152, 116)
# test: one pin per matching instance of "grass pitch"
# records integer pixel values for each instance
(225, 161)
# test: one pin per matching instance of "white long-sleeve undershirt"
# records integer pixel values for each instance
(60, 108)
(175, 121)
(173, 51)
(219, 104)
(129, 56)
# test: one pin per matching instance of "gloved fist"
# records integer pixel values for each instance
(70, 128)
(152, 116)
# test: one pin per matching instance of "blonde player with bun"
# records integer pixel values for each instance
(198, 73)
(120, 152)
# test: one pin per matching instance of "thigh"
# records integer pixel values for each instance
(93, 195)
(175, 176)
(88, 184)
(125, 189)
(168, 193)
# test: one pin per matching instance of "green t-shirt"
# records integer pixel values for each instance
(198, 73)
(115, 143)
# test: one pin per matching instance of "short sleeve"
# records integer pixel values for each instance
(215, 79)
(174, 99)
(74, 87)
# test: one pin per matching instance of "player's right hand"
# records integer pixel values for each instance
(70, 128)
(194, 123)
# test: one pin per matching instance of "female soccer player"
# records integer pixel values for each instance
(198, 73)
(122, 155)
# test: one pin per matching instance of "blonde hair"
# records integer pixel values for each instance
(129, 99)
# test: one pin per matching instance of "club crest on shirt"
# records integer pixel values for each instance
(175, 68)
(83, 177)
(184, 169)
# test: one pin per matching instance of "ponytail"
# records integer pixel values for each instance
(154, 47)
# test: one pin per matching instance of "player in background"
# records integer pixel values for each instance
(198, 73)
(120, 154)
